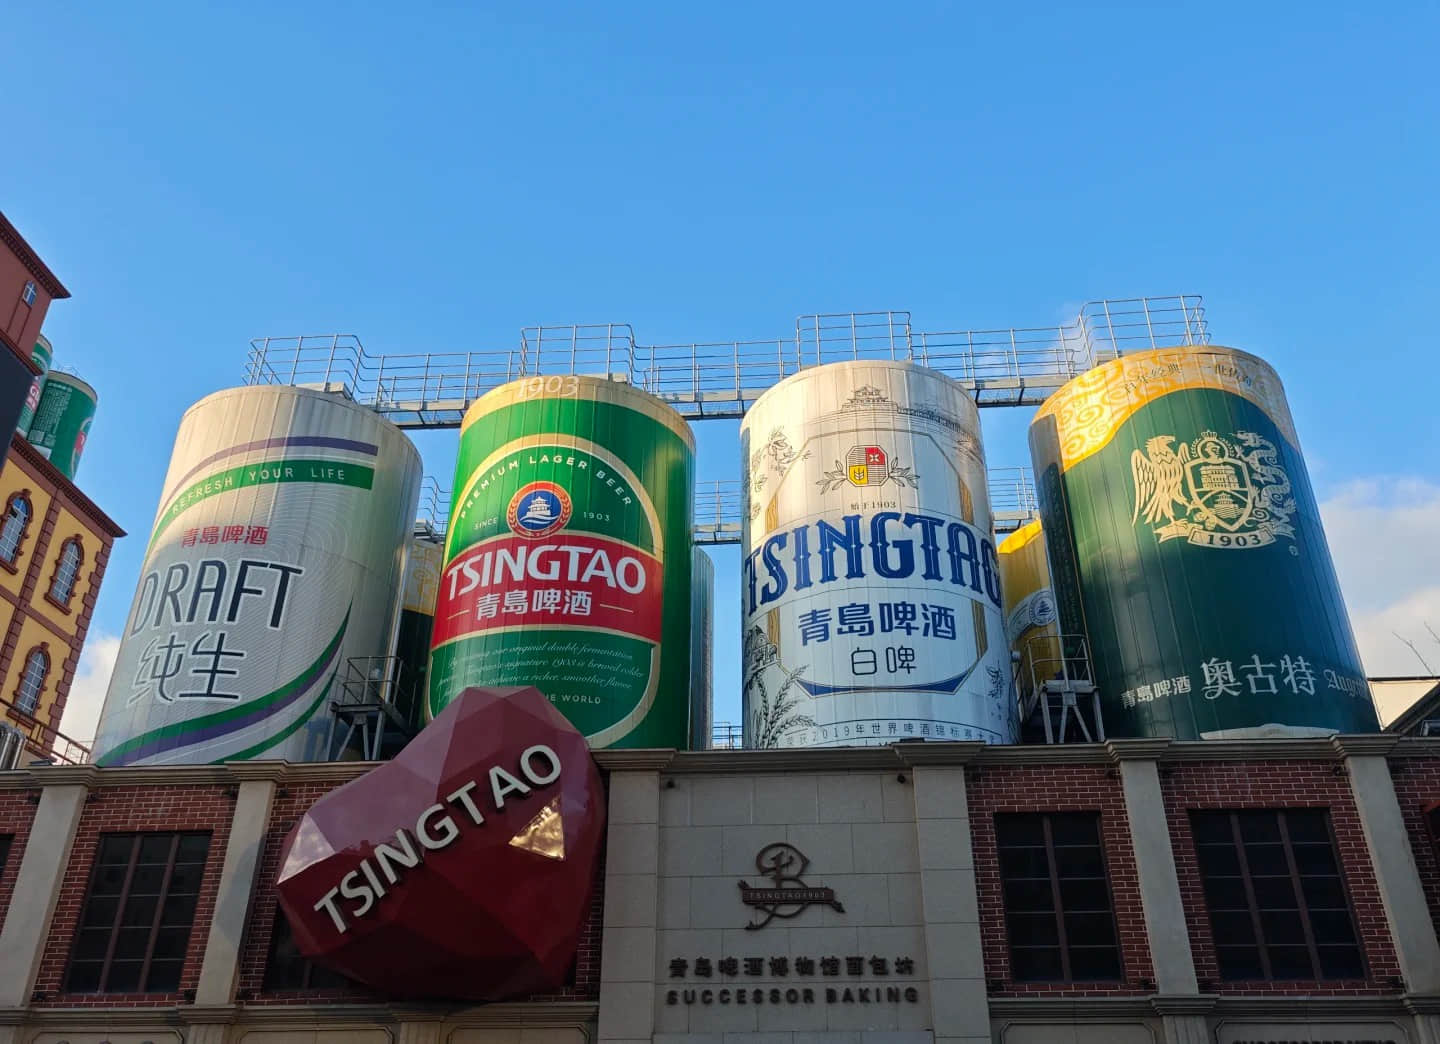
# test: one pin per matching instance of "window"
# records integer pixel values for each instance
(288, 969)
(135, 926)
(12, 745)
(1275, 895)
(6, 840)
(12, 529)
(28, 294)
(67, 572)
(1057, 900)
(32, 680)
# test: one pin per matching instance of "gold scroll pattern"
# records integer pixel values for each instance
(1092, 407)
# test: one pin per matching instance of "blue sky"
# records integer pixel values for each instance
(439, 175)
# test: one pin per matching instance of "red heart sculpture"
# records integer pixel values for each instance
(463, 868)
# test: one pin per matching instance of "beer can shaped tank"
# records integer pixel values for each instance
(61, 424)
(273, 569)
(1186, 544)
(42, 356)
(1030, 614)
(567, 558)
(869, 584)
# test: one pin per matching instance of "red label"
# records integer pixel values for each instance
(573, 580)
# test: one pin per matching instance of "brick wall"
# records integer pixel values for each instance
(1283, 784)
(1058, 788)
(255, 947)
(1417, 784)
(17, 812)
(127, 810)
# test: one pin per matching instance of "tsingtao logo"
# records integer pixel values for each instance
(538, 509)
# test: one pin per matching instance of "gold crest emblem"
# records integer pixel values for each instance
(1213, 491)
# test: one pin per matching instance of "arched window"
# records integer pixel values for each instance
(32, 680)
(12, 529)
(67, 573)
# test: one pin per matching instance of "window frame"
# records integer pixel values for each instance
(106, 962)
(281, 934)
(64, 604)
(1057, 909)
(33, 713)
(1257, 913)
(19, 496)
(9, 732)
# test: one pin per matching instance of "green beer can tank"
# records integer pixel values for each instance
(568, 558)
(1185, 543)
(275, 560)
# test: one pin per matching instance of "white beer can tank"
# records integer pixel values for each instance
(276, 557)
(869, 585)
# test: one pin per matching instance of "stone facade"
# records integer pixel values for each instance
(902, 939)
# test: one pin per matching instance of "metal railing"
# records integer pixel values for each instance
(725, 736)
(1010, 366)
(19, 746)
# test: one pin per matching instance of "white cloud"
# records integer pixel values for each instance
(87, 691)
(1384, 534)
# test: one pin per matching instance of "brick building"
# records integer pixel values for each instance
(54, 541)
(1134, 891)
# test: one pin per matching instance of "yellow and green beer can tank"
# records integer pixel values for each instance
(568, 558)
(1185, 542)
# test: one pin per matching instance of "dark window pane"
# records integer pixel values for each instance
(100, 912)
(1290, 962)
(130, 943)
(90, 944)
(1024, 862)
(147, 880)
(1090, 929)
(1308, 825)
(140, 910)
(193, 848)
(1239, 962)
(1258, 826)
(1028, 895)
(1079, 862)
(155, 849)
(1035, 964)
(170, 943)
(1218, 859)
(1094, 962)
(178, 909)
(1233, 928)
(1266, 860)
(84, 976)
(1275, 893)
(124, 977)
(186, 878)
(1315, 859)
(1211, 828)
(1323, 893)
(1283, 927)
(1071, 830)
(109, 880)
(1226, 893)
(115, 849)
(164, 976)
(1020, 830)
(1341, 962)
(1033, 929)
(1085, 895)
(1332, 926)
